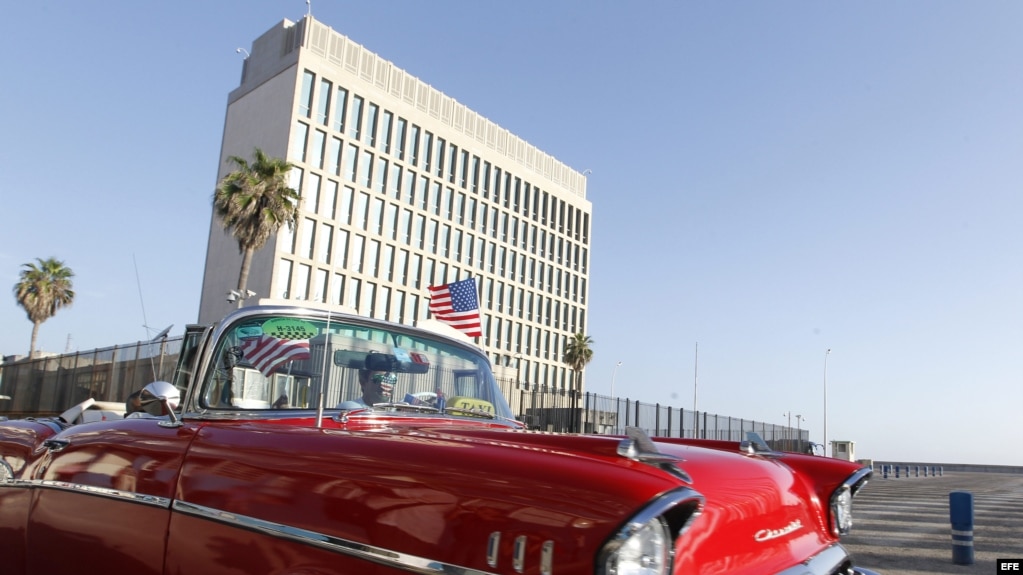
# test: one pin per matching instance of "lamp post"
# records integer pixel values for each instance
(826, 353)
(614, 372)
(788, 430)
(799, 434)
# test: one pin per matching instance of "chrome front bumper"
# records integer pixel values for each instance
(834, 560)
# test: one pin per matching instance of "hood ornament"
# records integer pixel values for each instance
(639, 447)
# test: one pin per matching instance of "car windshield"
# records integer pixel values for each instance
(280, 361)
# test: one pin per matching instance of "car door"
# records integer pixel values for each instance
(103, 496)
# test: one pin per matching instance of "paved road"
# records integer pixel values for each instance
(902, 527)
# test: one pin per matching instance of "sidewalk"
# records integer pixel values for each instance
(902, 526)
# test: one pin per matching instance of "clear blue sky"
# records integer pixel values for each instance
(770, 179)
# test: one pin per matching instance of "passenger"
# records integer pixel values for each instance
(377, 387)
(281, 403)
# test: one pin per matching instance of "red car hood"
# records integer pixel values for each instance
(760, 515)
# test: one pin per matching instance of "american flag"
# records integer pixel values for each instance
(457, 305)
(267, 353)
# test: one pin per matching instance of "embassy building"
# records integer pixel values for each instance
(403, 188)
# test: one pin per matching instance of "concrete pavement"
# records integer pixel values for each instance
(902, 527)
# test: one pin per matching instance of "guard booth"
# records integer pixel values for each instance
(844, 450)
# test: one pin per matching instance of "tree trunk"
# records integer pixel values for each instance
(35, 336)
(243, 273)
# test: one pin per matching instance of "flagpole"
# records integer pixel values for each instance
(696, 380)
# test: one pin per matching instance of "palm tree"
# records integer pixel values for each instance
(42, 290)
(577, 355)
(253, 202)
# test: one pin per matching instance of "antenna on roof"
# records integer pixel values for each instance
(309, 8)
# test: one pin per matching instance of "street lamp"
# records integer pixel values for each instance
(826, 353)
(799, 434)
(788, 431)
(613, 374)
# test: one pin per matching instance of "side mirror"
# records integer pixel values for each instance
(160, 398)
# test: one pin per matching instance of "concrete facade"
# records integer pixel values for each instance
(403, 187)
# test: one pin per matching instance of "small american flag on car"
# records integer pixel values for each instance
(267, 353)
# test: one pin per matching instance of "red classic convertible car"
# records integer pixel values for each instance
(299, 441)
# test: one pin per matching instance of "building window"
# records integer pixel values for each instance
(337, 288)
(334, 157)
(361, 211)
(357, 252)
(323, 106)
(308, 237)
(415, 262)
(376, 216)
(371, 125)
(365, 168)
(326, 241)
(394, 182)
(371, 260)
(428, 149)
(351, 159)
(391, 222)
(316, 151)
(283, 279)
(340, 110)
(385, 131)
(380, 175)
(344, 211)
(355, 125)
(328, 200)
(306, 102)
(302, 282)
(355, 286)
(298, 143)
(413, 157)
(399, 137)
(342, 249)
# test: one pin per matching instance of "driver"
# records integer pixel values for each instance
(377, 387)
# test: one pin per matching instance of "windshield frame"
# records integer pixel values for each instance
(401, 337)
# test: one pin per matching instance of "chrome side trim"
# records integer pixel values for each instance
(128, 496)
(547, 558)
(519, 555)
(493, 545)
(369, 552)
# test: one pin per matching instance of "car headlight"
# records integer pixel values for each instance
(841, 510)
(646, 550)
(842, 498)
(644, 545)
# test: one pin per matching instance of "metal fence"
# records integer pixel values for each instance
(47, 386)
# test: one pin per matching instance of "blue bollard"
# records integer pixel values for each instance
(896, 472)
(960, 511)
(884, 471)
(916, 471)
(941, 471)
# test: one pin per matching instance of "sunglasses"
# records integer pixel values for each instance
(385, 378)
